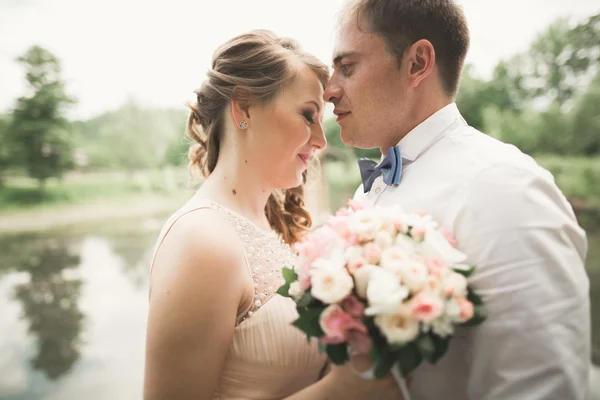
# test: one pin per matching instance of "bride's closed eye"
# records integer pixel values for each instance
(309, 116)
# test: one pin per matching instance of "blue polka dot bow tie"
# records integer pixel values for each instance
(390, 167)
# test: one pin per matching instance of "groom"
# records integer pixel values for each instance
(397, 65)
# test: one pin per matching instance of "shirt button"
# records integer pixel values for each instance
(377, 190)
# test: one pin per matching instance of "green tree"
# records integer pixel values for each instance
(586, 120)
(39, 127)
(6, 148)
(561, 58)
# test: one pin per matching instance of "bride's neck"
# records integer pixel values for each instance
(237, 184)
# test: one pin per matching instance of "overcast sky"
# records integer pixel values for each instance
(158, 51)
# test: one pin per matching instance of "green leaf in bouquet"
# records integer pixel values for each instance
(478, 317)
(385, 363)
(426, 346)
(441, 346)
(408, 358)
(284, 290)
(308, 322)
(474, 297)
(322, 347)
(338, 353)
(464, 270)
(305, 300)
(380, 345)
(289, 275)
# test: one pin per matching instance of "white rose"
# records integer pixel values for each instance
(454, 284)
(384, 292)
(361, 279)
(295, 290)
(335, 259)
(398, 327)
(331, 285)
(353, 252)
(442, 327)
(364, 224)
(406, 244)
(452, 310)
(436, 245)
(384, 239)
(392, 257)
(414, 274)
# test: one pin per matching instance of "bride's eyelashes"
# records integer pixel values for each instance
(309, 116)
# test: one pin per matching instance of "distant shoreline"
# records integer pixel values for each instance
(54, 217)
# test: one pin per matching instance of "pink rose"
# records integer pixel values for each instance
(308, 249)
(372, 253)
(303, 269)
(399, 225)
(338, 324)
(340, 226)
(466, 309)
(426, 307)
(435, 266)
(350, 240)
(343, 212)
(355, 205)
(356, 263)
(352, 305)
(418, 232)
(448, 236)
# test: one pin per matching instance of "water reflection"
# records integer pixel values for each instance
(49, 300)
(73, 314)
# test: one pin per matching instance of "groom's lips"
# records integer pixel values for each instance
(340, 115)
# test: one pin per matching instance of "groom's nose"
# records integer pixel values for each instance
(333, 91)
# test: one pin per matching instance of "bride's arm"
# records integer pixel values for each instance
(197, 284)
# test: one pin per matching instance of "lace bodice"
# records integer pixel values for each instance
(266, 254)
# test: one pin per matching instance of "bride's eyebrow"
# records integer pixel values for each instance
(315, 104)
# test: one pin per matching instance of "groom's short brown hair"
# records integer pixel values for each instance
(403, 22)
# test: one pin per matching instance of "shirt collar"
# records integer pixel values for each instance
(424, 134)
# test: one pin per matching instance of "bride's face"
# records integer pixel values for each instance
(287, 131)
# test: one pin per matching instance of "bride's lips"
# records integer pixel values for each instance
(304, 157)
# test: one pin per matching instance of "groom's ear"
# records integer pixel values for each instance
(421, 61)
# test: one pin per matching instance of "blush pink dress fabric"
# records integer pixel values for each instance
(268, 357)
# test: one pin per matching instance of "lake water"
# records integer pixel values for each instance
(73, 306)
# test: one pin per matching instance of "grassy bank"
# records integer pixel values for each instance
(22, 194)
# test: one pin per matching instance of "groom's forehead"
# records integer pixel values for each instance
(349, 38)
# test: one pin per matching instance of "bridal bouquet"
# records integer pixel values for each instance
(383, 282)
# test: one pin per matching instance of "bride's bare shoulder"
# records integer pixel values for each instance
(202, 246)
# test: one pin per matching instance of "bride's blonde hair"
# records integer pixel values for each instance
(252, 67)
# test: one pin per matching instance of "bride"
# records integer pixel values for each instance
(216, 328)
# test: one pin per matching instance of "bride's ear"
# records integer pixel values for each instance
(240, 109)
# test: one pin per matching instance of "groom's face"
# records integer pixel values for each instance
(367, 88)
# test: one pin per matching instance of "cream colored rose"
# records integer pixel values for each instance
(296, 290)
(364, 225)
(361, 279)
(398, 327)
(331, 285)
(454, 284)
(384, 292)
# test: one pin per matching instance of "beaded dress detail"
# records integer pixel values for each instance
(268, 357)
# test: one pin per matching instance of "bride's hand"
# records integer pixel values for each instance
(346, 382)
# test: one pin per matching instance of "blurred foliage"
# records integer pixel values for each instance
(40, 134)
(543, 100)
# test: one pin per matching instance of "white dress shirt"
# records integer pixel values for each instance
(517, 228)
